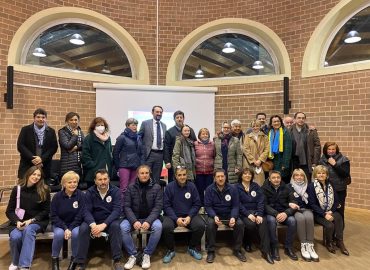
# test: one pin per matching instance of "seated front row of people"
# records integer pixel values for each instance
(98, 213)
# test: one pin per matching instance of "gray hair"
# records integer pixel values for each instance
(131, 121)
(235, 122)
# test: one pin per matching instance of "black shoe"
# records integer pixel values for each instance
(54, 263)
(72, 265)
(210, 257)
(248, 248)
(268, 257)
(290, 253)
(275, 254)
(241, 257)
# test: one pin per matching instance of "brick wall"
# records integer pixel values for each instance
(338, 105)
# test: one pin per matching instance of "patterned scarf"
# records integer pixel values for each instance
(40, 132)
(276, 140)
(326, 199)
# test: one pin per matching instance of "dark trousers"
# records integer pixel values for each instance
(155, 162)
(238, 234)
(197, 227)
(334, 227)
(202, 181)
(115, 240)
(170, 175)
(250, 228)
(342, 201)
(290, 222)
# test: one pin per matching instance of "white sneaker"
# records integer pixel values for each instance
(130, 262)
(13, 267)
(304, 251)
(145, 264)
(312, 252)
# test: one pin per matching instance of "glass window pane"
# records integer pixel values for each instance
(351, 43)
(228, 55)
(79, 47)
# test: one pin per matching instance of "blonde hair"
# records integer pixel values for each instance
(255, 123)
(70, 175)
(298, 171)
(320, 168)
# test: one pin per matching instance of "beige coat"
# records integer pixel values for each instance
(256, 150)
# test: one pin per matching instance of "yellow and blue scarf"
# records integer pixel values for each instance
(276, 142)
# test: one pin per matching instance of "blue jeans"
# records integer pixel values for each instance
(290, 222)
(128, 242)
(22, 245)
(59, 238)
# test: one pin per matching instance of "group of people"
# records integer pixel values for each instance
(225, 174)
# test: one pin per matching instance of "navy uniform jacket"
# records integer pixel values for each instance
(224, 204)
(67, 212)
(181, 201)
(252, 202)
(100, 210)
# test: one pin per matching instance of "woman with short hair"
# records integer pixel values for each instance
(323, 200)
(66, 215)
(128, 154)
(34, 200)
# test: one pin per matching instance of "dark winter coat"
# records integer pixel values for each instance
(69, 160)
(339, 172)
(128, 152)
(26, 146)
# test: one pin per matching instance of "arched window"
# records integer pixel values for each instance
(78, 47)
(230, 55)
(351, 43)
(77, 43)
(228, 51)
(327, 52)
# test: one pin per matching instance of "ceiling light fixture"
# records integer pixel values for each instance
(352, 37)
(199, 73)
(77, 39)
(228, 48)
(106, 68)
(257, 65)
(39, 52)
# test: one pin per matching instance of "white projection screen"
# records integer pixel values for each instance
(116, 103)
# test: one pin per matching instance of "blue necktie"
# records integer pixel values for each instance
(159, 135)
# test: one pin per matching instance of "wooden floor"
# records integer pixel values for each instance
(357, 240)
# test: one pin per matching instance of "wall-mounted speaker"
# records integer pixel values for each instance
(9, 87)
(287, 104)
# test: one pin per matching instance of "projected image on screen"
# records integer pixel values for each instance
(141, 116)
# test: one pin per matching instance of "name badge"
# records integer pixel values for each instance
(253, 193)
(75, 204)
(187, 195)
(228, 197)
(108, 199)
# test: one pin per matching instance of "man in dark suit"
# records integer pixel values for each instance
(170, 139)
(152, 132)
(37, 143)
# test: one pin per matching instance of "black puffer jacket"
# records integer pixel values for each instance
(339, 172)
(277, 201)
(69, 160)
(133, 201)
